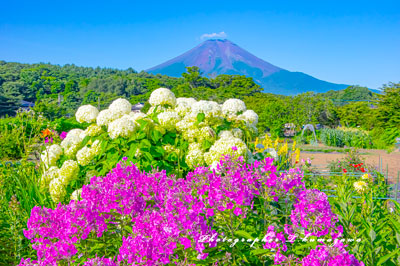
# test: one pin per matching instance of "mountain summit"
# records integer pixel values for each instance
(215, 57)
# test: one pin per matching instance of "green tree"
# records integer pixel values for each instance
(10, 99)
(357, 114)
(49, 108)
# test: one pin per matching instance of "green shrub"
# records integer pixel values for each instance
(66, 124)
(19, 134)
(349, 138)
(19, 193)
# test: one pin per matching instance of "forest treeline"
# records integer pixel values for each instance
(58, 91)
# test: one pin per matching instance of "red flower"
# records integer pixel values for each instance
(362, 170)
(344, 171)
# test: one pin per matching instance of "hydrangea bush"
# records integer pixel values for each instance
(176, 134)
(130, 217)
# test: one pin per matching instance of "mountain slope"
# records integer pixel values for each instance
(215, 57)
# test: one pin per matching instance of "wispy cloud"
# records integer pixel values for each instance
(213, 35)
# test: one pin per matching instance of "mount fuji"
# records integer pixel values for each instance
(216, 57)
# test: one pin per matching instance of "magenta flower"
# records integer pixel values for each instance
(237, 211)
(163, 214)
(210, 212)
(335, 255)
(186, 242)
(63, 135)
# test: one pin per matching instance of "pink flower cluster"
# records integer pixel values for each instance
(313, 212)
(165, 216)
(163, 212)
(335, 255)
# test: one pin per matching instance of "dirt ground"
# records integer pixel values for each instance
(390, 161)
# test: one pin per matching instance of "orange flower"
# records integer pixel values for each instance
(46, 133)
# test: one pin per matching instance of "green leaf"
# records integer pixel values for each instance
(148, 156)
(260, 251)
(145, 145)
(398, 238)
(206, 145)
(128, 228)
(157, 151)
(244, 234)
(156, 135)
(200, 117)
(372, 235)
(173, 157)
(141, 135)
(387, 257)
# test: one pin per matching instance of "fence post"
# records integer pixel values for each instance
(397, 184)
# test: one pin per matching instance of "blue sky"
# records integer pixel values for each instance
(350, 42)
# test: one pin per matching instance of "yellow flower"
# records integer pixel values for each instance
(283, 150)
(276, 143)
(297, 155)
(294, 146)
(365, 176)
(267, 142)
(360, 186)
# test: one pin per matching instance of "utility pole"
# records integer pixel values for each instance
(59, 99)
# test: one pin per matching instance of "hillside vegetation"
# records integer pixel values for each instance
(58, 90)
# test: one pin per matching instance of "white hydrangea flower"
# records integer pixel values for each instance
(207, 133)
(106, 116)
(233, 107)
(86, 113)
(185, 101)
(71, 144)
(195, 155)
(57, 190)
(168, 119)
(188, 130)
(237, 133)
(85, 155)
(51, 155)
(76, 195)
(96, 147)
(122, 127)
(93, 130)
(225, 134)
(68, 171)
(50, 174)
(162, 96)
(209, 108)
(120, 107)
(137, 115)
(184, 125)
(224, 146)
(76, 132)
(191, 134)
(184, 105)
(250, 117)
